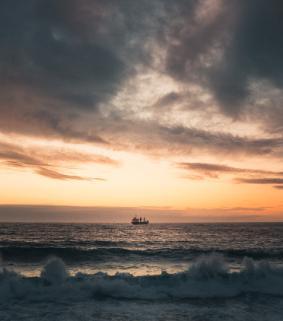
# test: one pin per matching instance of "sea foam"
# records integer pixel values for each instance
(207, 277)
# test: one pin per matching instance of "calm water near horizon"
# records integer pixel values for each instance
(154, 272)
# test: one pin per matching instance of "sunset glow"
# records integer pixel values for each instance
(163, 106)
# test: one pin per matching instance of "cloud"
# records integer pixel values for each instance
(213, 170)
(226, 45)
(245, 209)
(255, 50)
(252, 176)
(275, 181)
(168, 100)
(157, 138)
(65, 64)
(264, 181)
(57, 175)
(45, 45)
(62, 59)
(221, 142)
(50, 162)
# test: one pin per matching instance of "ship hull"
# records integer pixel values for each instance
(139, 223)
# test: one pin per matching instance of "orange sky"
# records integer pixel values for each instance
(137, 180)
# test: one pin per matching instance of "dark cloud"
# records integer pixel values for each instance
(190, 37)
(149, 136)
(42, 48)
(62, 62)
(220, 142)
(168, 100)
(233, 44)
(61, 59)
(255, 50)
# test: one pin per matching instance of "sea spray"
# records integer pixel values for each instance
(54, 272)
(207, 277)
(208, 267)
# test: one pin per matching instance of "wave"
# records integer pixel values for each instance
(39, 252)
(207, 277)
(65, 243)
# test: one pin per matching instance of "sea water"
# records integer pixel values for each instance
(156, 272)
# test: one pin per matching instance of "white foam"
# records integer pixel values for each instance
(208, 277)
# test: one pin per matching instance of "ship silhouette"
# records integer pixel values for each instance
(139, 221)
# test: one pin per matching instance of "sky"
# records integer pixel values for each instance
(169, 108)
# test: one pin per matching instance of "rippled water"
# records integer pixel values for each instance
(155, 272)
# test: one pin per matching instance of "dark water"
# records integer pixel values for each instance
(155, 272)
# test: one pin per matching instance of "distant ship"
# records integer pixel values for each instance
(139, 220)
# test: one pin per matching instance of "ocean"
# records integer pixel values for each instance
(104, 272)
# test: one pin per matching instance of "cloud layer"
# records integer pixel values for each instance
(50, 162)
(80, 71)
(249, 176)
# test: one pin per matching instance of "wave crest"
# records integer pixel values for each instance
(208, 277)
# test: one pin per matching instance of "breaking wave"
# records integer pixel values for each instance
(207, 277)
